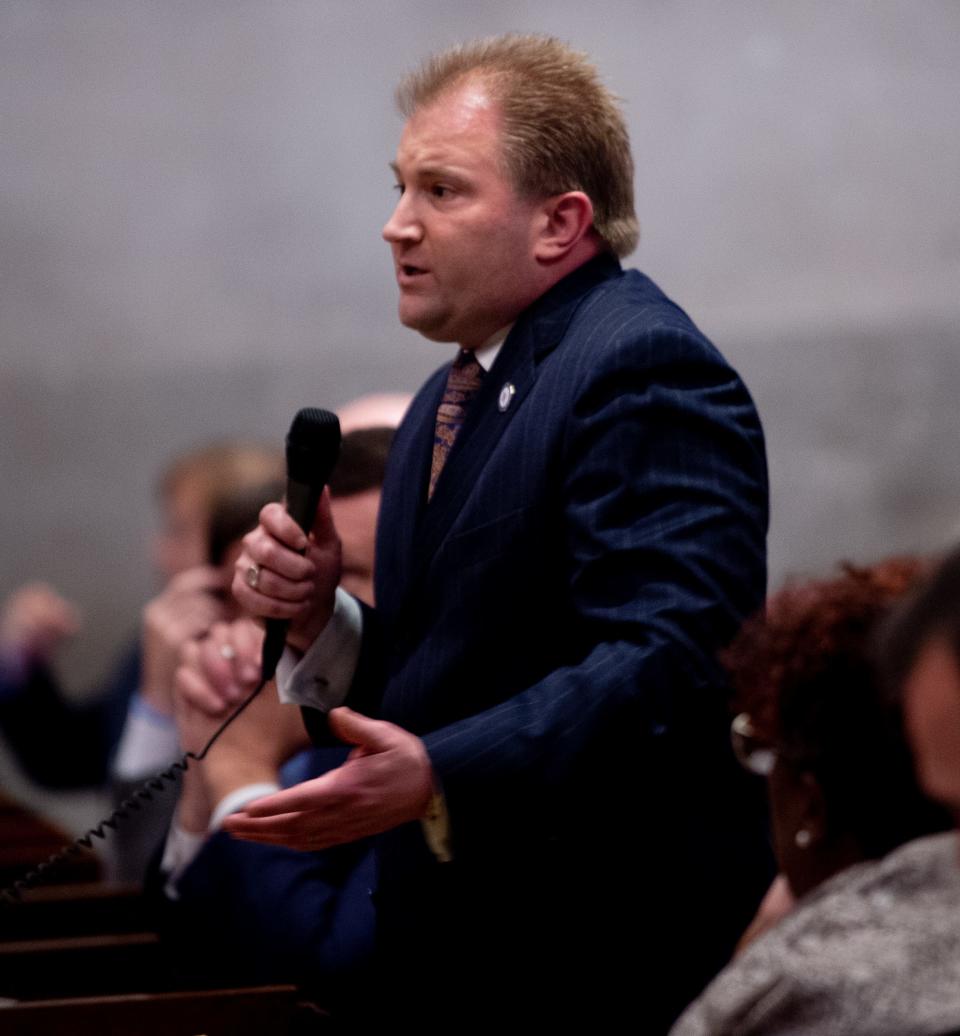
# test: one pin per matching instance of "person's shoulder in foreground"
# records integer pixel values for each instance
(875, 950)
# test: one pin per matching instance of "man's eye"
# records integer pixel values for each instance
(398, 187)
(439, 190)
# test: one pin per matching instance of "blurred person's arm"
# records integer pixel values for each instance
(214, 677)
(34, 621)
(186, 609)
(57, 742)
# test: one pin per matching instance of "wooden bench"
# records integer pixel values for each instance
(259, 1011)
(59, 911)
(27, 839)
(34, 969)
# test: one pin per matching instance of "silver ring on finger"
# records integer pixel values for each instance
(252, 576)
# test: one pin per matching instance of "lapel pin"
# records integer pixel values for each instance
(506, 396)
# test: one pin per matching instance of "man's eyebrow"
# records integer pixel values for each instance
(428, 171)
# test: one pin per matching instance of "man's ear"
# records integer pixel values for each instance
(564, 220)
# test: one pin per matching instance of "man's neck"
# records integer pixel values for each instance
(586, 249)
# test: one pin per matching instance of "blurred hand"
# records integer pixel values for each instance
(214, 676)
(288, 585)
(186, 609)
(227, 657)
(35, 620)
(386, 781)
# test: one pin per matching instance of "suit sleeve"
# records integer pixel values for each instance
(258, 914)
(664, 496)
(60, 743)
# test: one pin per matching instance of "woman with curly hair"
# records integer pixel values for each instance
(866, 903)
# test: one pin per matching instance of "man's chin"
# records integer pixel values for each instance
(432, 329)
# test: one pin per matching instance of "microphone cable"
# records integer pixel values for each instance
(134, 803)
(312, 448)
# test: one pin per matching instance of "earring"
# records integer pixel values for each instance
(802, 838)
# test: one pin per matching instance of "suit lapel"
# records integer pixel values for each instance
(405, 495)
(486, 421)
(534, 336)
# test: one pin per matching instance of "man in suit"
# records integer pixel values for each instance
(573, 521)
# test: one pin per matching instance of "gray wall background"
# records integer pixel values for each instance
(191, 196)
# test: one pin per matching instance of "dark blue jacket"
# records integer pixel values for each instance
(548, 624)
(258, 914)
(60, 742)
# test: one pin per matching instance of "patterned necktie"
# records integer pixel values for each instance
(463, 383)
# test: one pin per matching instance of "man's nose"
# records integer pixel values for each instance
(402, 226)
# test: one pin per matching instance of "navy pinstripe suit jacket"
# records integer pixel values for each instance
(548, 624)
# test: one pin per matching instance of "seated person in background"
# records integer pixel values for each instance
(846, 812)
(921, 659)
(186, 610)
(257, 913)
(57, 741)
(243, 913)
(377, 410)
(62, 743)
(34, 621)
(921, 654)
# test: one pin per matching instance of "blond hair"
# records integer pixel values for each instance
(563, 130)
(220, 469)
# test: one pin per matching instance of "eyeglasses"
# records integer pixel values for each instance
(752, 753)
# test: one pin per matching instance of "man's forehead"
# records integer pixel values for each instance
(464, 103)
(463, 111)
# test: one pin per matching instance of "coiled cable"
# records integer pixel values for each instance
(134, 803)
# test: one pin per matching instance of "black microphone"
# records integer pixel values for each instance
(313, 444)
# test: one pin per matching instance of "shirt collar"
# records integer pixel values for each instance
(485, 354)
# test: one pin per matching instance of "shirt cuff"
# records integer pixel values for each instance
(148, 743)
(182, 847)
(238, 799)
(436, 828)
(321, 679)
(179, 852)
